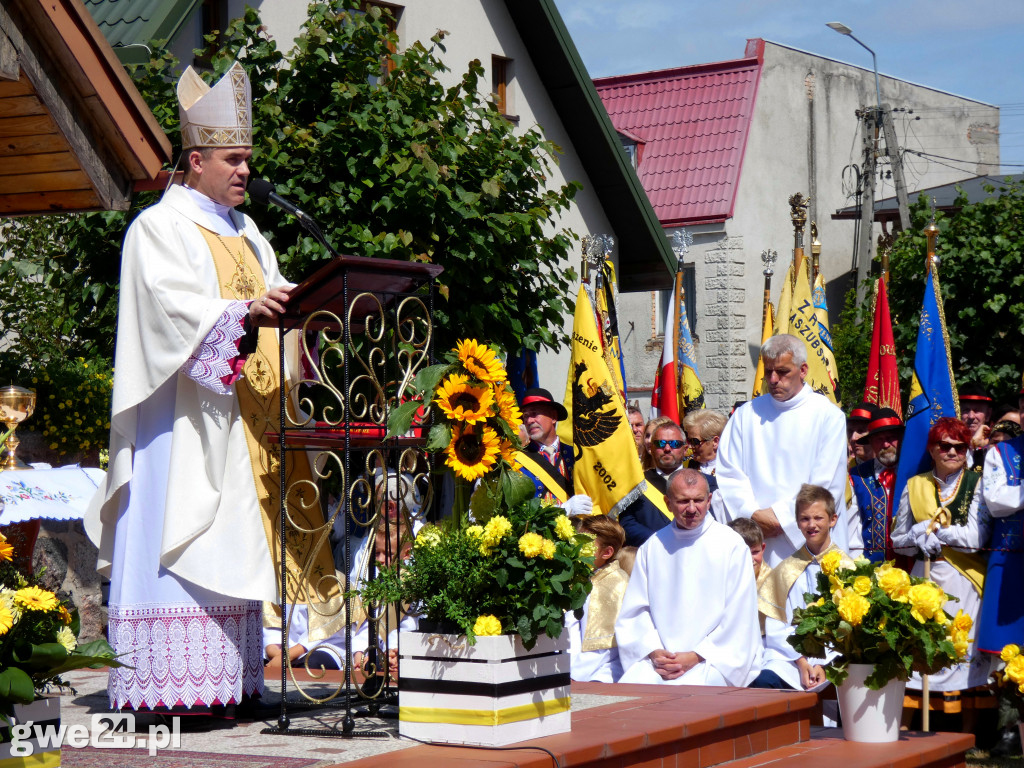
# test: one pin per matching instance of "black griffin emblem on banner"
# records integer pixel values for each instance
(594, 419)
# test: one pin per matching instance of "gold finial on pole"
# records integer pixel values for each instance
(815, 250)
(798, 213)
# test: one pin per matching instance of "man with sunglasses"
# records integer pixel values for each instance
(668, 449)
(777, 442)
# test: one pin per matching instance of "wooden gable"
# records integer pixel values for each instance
(75, 134)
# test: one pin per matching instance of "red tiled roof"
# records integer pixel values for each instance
(691, 124)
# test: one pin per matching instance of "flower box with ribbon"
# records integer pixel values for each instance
(492, 693)
(19, 745)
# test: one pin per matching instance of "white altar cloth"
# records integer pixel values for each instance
(49, 494)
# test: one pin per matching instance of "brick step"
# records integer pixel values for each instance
(827, 747)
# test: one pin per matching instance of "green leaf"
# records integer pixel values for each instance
(400, 419)
(439, 437)
(16, 686)
(428, 378)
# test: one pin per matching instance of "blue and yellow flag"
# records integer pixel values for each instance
(932, 391)
(689, 388)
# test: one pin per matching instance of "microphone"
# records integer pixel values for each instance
(262, 191)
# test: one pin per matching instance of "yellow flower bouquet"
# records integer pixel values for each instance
(504, 562)
(38, 638)
(881, 616)
(1010, 679)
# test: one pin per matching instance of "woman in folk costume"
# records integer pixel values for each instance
(187, 519)
(942, 517)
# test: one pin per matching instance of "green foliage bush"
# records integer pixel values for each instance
(393, 163)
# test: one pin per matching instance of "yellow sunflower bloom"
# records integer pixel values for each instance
(508, 408)
(480, 361)
(473, 452)
(461, 401)
(486, 626)
(6, 550)
(35, 599)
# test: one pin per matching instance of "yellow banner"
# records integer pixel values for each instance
(767, 331)
(785, 303)
(804, 324)
(607, 466)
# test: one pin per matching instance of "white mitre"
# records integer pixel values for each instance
(220, 116)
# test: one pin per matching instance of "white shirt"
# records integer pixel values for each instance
(769, 449)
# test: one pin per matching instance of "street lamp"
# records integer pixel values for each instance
(842, 29)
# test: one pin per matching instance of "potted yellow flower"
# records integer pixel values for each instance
(38, 644)
(882, 624)
(493, 582)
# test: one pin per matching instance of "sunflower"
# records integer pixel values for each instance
(6, 620)
(461, 401)
(480, 361)
(6, 550)
(472, 452)
(508, 408)
(35, 599)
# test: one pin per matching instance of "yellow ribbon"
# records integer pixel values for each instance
(484, 716)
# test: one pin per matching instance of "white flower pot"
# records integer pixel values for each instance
(44, 712)
(492, 693)
(871, 716)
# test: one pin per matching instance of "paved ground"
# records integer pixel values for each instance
(243, 739)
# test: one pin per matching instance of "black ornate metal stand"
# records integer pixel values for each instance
(363, 329)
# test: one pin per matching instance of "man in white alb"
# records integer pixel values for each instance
(689, 616)
(185, 520)
(777, 442)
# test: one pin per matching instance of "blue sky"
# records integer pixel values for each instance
(973, 48)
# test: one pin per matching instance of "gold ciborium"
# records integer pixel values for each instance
(16, 405)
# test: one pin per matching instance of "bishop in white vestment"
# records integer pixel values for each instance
(184, 520)
(689, 616)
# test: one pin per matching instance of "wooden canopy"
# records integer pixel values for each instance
(75, 134)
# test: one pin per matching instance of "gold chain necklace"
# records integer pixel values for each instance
(242, 281)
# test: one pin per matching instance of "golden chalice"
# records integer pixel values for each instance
(16, 405)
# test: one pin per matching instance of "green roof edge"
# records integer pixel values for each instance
(601, 159)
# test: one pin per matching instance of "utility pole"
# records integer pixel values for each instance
(869, 141)
(892, 149)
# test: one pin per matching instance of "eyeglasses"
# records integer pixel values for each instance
(696, 442)
(946, 447)
(673, 444)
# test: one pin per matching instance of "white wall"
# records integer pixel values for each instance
(776, 165)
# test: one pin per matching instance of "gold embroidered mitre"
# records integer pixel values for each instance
(218, 116)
